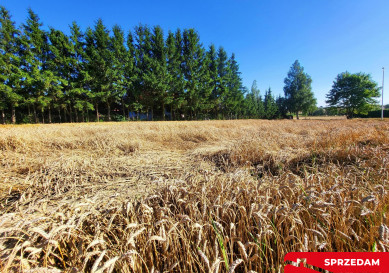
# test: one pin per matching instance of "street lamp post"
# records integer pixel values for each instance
(382, 103)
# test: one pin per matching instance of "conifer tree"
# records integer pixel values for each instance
(282, 107)
(180, 98)
(38, 78)
(119, 62)
(10, 72)
(59, 62)
(206, 104)
(214, 78)
(223, 74)
(254, 103)
(100, 66)
(75, 73)
(195, 71)
(298, 91)
(80, 76)
(249, 105)
(129, 100)
(159, 78)
(234, 97)
(174, 62)
(143, 63)
(270, 105)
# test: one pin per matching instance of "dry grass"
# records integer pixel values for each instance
(210, 196)
(325, 117)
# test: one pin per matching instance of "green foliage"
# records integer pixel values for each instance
(353, 92)
(10, 72)
(253, 103)
(281, 107)
(159, 78)
(37, 75)
(143, 62)
(298, 91)
(271, 108)
(222, 79)
(373, 114)
(214, 98)
(197, 92)
(234, 98)
(49, 75)
(129, 100)
(120, 58)
(321, 111)
(100, 61)
(176, 86)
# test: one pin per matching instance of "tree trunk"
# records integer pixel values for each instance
(297, 115)
(128, 115)
(152, 113)
(13, 117)
(97, 113)
(350, 114)
(35, 115)
(109, 111)
(70, 114)
(171, 112)
(3, 116)
(49, 114)
(123, 110)
(83, 115)
(75, 111)
(163, 111)
(43, 116)
(59, 114)
(65, 112)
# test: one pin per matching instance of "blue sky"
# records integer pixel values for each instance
(327, 36)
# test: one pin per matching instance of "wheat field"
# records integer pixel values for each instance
(194, 196)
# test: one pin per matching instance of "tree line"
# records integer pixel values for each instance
(49, 76)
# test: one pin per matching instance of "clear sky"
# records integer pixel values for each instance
(327, 36)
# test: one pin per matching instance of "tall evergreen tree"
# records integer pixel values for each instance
(77, 73)
(174, 62)
(143, 63)
(120, 60)
(298, 91)
(282, 107)
(159, 78)
(59, 62)
(100, 66)
(255, 107)
(38, 78)
(249, 105)
(80, 77)
(223, 74)
(211, 56)
(129, 100)
(270, 105)
(193, 57)
(234, 97)
(10, 72)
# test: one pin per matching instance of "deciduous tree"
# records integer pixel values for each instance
(354, 93)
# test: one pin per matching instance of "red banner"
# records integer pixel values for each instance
(339, 262)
